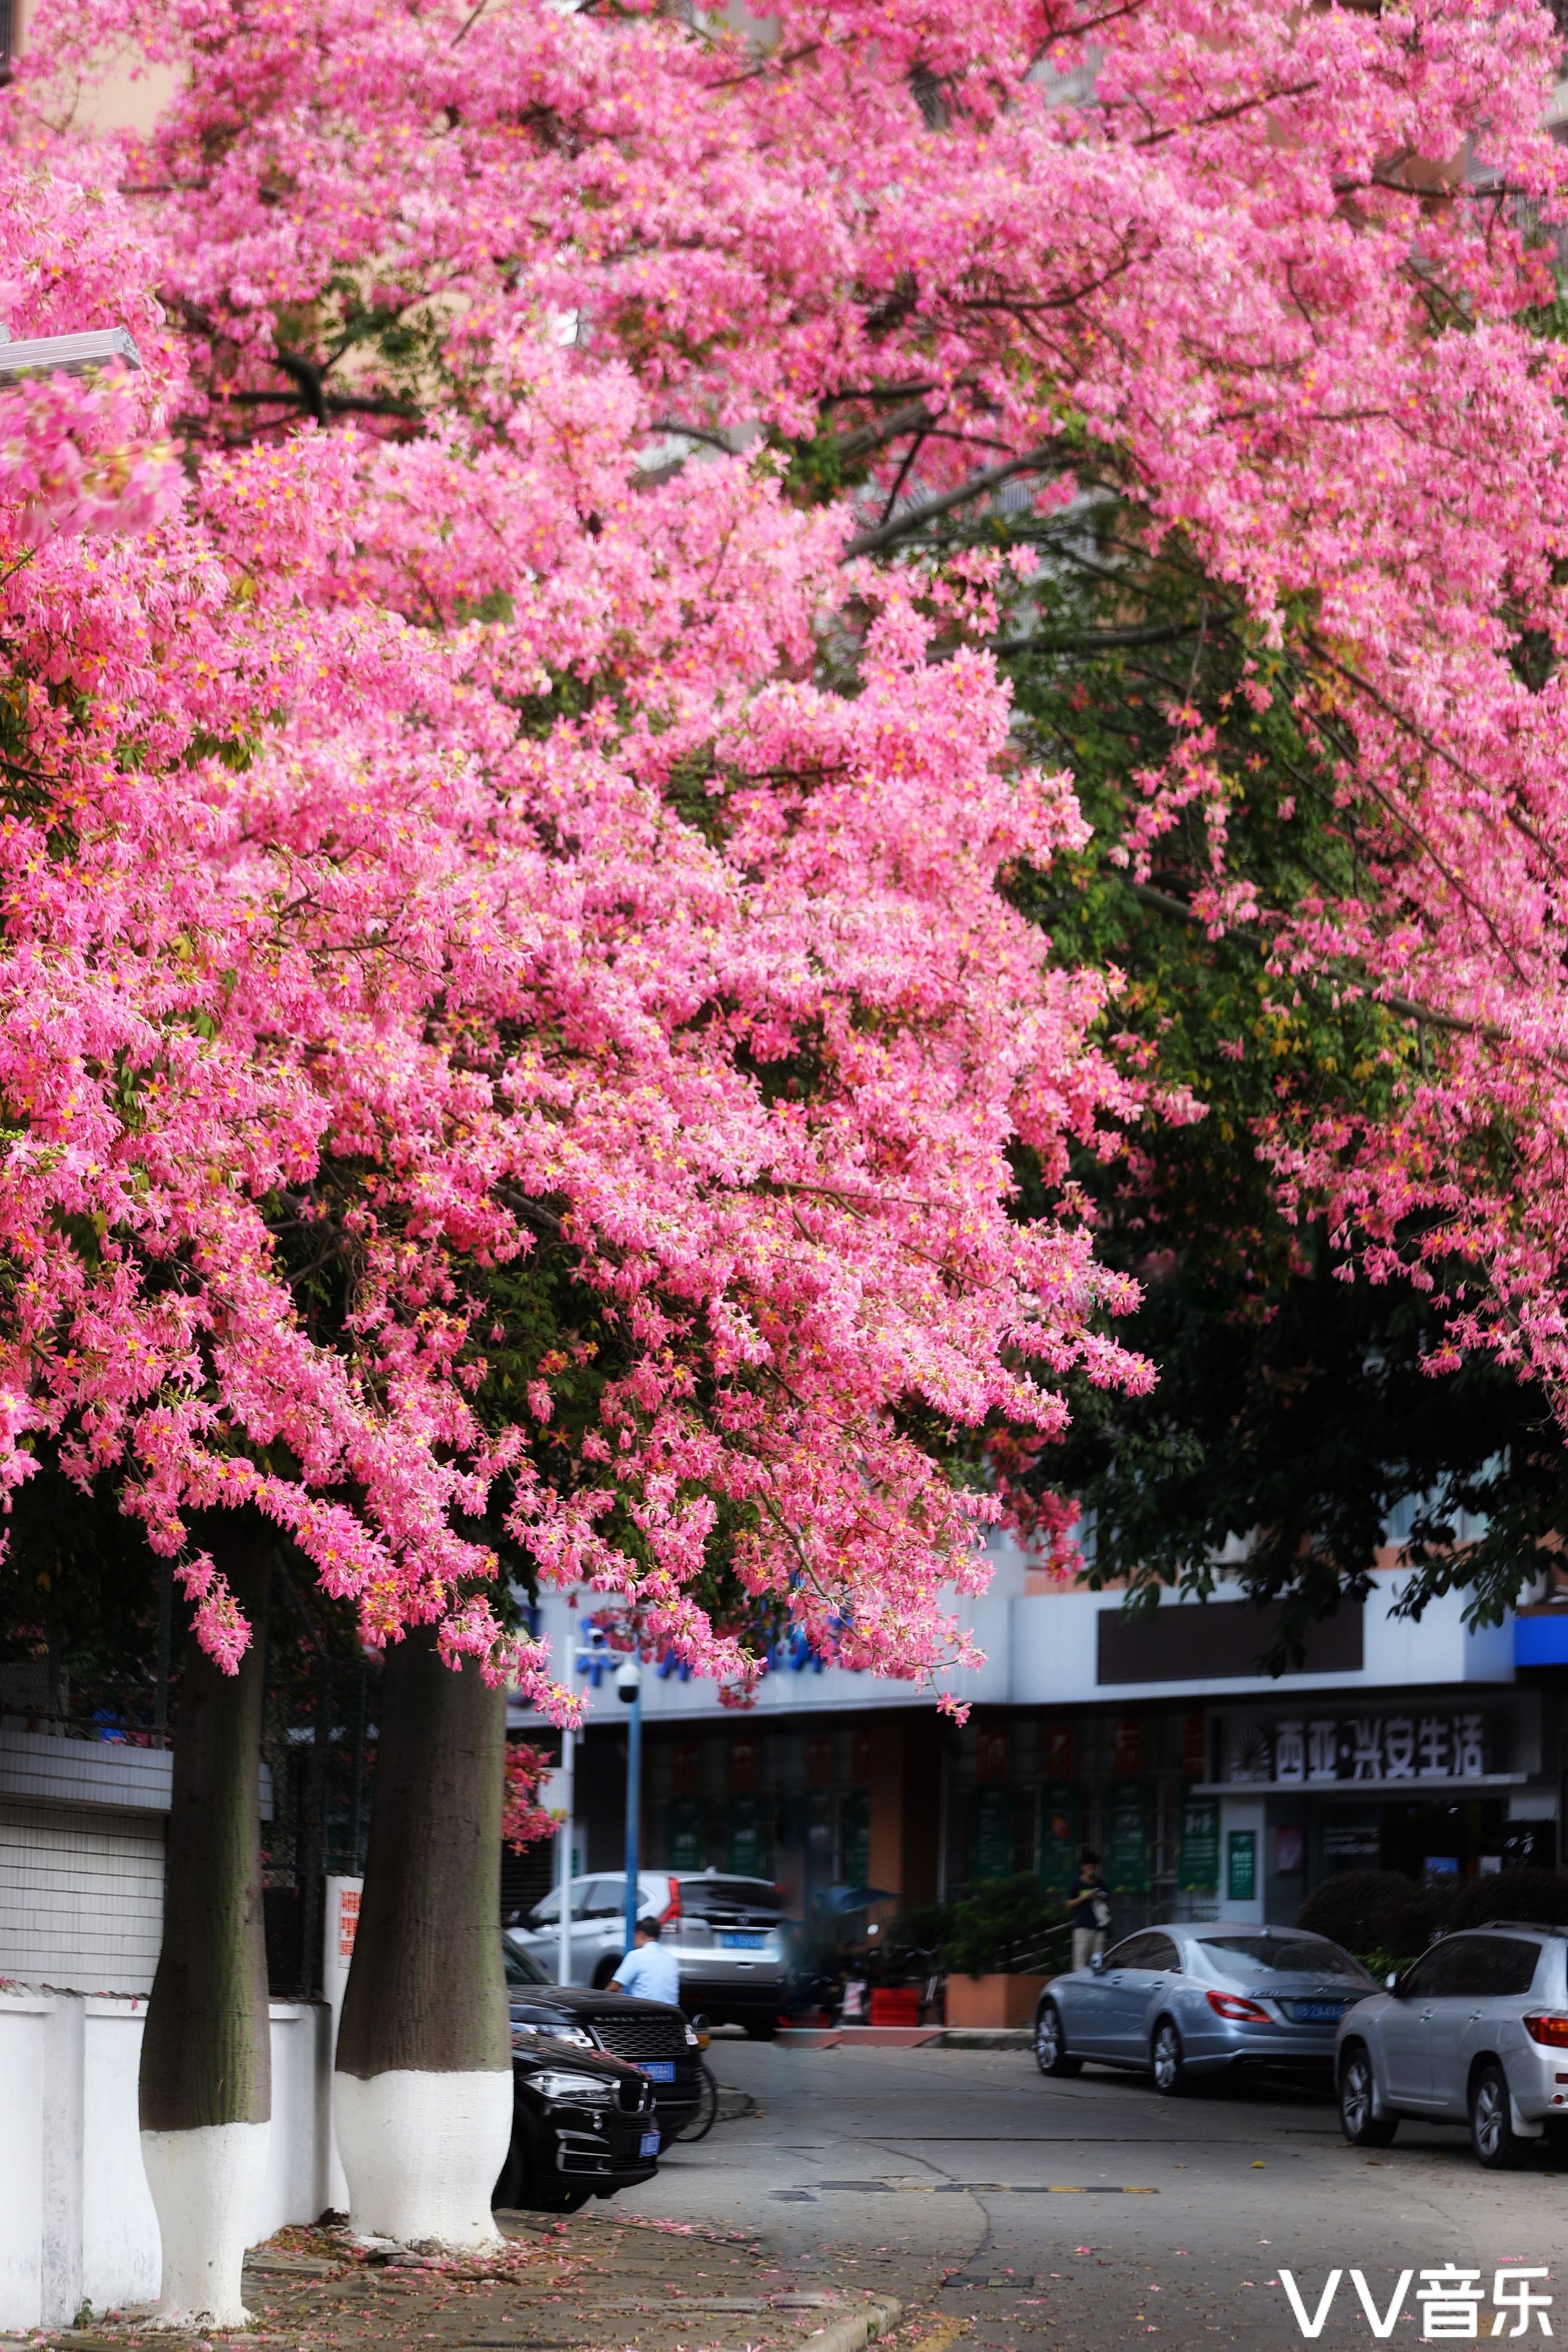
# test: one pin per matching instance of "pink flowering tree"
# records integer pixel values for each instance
(673, 987)
(1274, 279)
(621, 1001)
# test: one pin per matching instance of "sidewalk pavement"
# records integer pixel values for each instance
(598, 2278)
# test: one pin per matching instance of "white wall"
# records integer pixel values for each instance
(81, 1895)
(76, 2220)
(120, 2232)
(22, 2033)
(82, 1831)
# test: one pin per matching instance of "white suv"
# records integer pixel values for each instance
(1476, 2032)
(725, 1932)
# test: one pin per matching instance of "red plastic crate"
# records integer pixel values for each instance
(895, 2005)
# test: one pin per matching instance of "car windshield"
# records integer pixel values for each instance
(703, 1899)
(1244, 1956)
(522, 1968)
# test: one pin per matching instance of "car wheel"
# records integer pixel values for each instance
(1171, 2076)
(1050, 2045)
(1492, 2135)
(1359, 2119)
(760, 2028)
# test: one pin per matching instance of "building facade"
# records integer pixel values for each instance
(1430, 1748)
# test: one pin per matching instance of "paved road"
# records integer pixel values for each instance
(1094, 2213)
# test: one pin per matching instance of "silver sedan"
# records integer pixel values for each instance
(1181, 2002)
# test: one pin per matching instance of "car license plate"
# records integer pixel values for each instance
(648, 2144)
(1309, 2012)
(729, 1941)
(658, 2070)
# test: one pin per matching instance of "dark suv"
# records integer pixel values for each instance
(648, 2035)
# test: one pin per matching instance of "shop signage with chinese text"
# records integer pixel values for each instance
(1426, 1743)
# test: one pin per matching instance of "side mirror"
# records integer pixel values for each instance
(1096, 1961)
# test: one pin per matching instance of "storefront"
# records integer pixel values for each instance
(1207, 1786)
(1435, 1785)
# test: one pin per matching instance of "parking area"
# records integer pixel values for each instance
(1093, 2212)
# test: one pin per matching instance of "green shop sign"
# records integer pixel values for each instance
(1241, 1866)
(744, 1844)
(1058, 1836)
(688, 1834)
(854, 1851)
(991, 1837)
(1197, 1861)
(1127, 1838)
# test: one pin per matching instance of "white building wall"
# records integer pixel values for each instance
(1041, 1648)
(81, 1895)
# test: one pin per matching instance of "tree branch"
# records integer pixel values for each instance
(1154, 632)
(887, 534)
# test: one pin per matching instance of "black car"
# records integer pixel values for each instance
(581, 2126)
(651, 2035)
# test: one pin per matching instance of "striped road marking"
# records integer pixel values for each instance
(959, 2188)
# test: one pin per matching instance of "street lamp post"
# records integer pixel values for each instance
(564, 1856)
(628, 1690)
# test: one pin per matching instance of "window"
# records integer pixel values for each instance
(1433, 1972)
(1140, 1952)
(1240, 1956)
(522, 1968)
(1165, 1956)
(725, 1898)
(546, 1912)
(602, 1899)
(1491, 1966)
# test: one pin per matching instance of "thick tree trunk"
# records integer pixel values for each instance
(207, 2073)
(423, 2087)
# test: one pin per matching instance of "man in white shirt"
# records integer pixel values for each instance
(648, 1971)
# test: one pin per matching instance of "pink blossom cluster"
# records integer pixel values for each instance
(525, 1821)
(304, 928)
(496, 803)
(71, 459)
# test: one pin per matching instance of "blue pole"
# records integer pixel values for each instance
(634, 1811)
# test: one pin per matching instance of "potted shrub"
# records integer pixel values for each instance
(998, 1952)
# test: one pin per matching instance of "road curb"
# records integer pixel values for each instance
(857, 2328)
(985, 2037)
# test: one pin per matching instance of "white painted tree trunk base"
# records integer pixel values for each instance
(422, 2153)
(205, 2186)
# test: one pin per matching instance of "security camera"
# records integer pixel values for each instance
(629, 1681)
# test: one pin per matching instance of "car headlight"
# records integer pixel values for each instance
(694, 2039)
(529, 2030)
(582, 2090)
